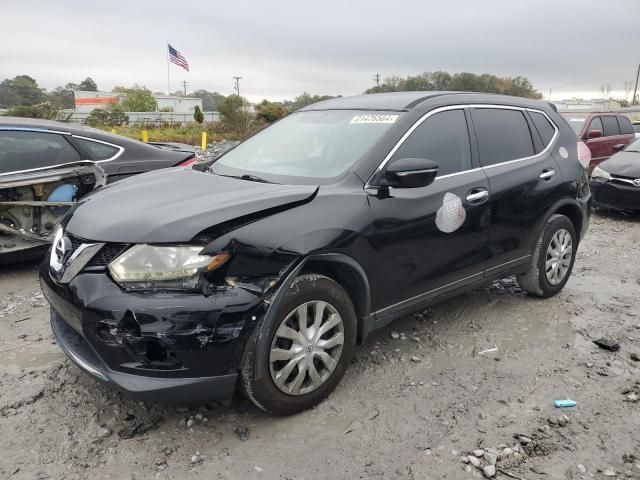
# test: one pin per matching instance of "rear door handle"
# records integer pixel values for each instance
(548, 174)
(477, 195)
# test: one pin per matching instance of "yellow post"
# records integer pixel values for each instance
(145, 136)
(113, 130)
(204, 140)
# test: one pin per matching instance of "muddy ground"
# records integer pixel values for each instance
(419, 397)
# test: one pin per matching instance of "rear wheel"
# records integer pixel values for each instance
(552, 259)
(310, 344)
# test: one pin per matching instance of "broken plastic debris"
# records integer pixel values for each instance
(608, 344)
(489, 350)
(564, 403)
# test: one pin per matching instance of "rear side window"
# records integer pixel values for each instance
(443, 138)
(544, 127)
(21, 150)
(502, 134)
(625, 125)
(99, 151)
(610, 126)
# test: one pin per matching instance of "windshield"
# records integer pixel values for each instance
(633, 146)
(576, 124)
(312, 144)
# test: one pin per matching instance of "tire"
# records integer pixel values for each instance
(306, 294)
(537, 281)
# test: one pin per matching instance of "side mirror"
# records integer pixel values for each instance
(594, 134)
(619, 147)
(411, 172)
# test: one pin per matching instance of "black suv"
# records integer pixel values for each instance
(264, 269)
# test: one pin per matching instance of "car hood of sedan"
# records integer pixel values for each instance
(625, 164)
(174, 205)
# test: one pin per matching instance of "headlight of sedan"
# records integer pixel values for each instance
(145, 267)
(600, 173)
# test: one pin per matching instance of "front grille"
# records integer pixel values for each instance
(104, 256)
(107, 254)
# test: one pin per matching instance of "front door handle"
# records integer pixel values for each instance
(548, 174)
(477, 195)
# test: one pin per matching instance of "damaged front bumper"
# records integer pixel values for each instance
(167, 347)
(615, 193)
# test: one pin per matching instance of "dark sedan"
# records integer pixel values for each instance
(615, 183)
(29, 143)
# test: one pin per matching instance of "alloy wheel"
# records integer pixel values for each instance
(558, 259)
(306, 348)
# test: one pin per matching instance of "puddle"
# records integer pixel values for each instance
(27, 357)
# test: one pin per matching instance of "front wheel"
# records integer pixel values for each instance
(310, 344)
(552, 259)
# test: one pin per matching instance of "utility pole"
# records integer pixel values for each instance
(635, 100)
(184, 85)
(549, 96)
(376, 77)
(237, 87)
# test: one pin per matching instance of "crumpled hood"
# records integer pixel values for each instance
(174, 205)
(625, 164)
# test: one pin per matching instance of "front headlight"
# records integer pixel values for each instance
(600, 173)
(151, 266)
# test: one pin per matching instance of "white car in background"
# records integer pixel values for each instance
(636, 128)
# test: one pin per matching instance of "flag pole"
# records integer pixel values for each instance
(168, 69)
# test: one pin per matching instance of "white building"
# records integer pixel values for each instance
(170, 108)
(592, 105)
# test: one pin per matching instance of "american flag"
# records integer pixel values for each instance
(175, 57)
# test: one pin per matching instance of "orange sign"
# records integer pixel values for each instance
(96, 100)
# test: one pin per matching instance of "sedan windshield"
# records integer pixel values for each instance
(311, 144)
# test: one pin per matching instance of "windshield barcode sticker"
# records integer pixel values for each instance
(374, 118)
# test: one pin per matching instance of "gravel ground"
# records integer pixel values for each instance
(422, 399)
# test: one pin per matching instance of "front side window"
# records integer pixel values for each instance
(503, 135)
(310, 144)
(596, 124)
(443, 138)
(99, 151)
(610, 125)
(24, 150)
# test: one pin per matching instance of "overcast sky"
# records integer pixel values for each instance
(283, 48)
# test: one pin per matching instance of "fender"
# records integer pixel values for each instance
(281, 291)
(580, 208)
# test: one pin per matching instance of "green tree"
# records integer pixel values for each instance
(139, 99)
(235, 115)
(21, 90)
(97, 118)
(463, 81)
(306, 99)
(117, 116)
(210, 100)
(88, 85)
(270, 111)
(41, 110)
(198, 115)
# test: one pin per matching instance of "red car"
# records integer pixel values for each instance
(604, 133)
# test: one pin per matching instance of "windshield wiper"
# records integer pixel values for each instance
(250, 178)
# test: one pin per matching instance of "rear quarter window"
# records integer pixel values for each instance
(502, 134)
(99, 151)
(610, 126)
(543, 126)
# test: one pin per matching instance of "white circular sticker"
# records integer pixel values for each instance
(451, 215)
(563, 152)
